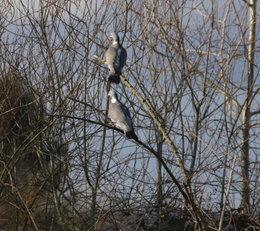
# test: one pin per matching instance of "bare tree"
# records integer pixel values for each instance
(191, 83)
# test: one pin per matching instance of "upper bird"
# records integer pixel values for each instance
(115, 58)
(120, 116)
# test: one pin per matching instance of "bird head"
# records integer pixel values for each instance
(113, 96)
(113, 35)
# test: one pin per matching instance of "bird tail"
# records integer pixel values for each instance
(115, 78)
(131, 135)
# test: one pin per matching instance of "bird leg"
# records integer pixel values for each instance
(111, 122)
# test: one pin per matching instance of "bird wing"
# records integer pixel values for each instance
(127, 114)
(120, 59)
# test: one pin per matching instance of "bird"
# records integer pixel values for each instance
(116, 56)
(120, 116)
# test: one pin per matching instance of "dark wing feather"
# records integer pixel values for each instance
(120, 59)
(127, 116)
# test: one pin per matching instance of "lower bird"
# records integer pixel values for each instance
(120, 116)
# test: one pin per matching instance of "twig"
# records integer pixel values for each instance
(226, 194)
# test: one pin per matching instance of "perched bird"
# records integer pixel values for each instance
(120, 116)
(115, 58)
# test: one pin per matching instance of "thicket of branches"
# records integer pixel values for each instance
(192, 85)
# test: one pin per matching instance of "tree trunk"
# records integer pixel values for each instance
(245, 190)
